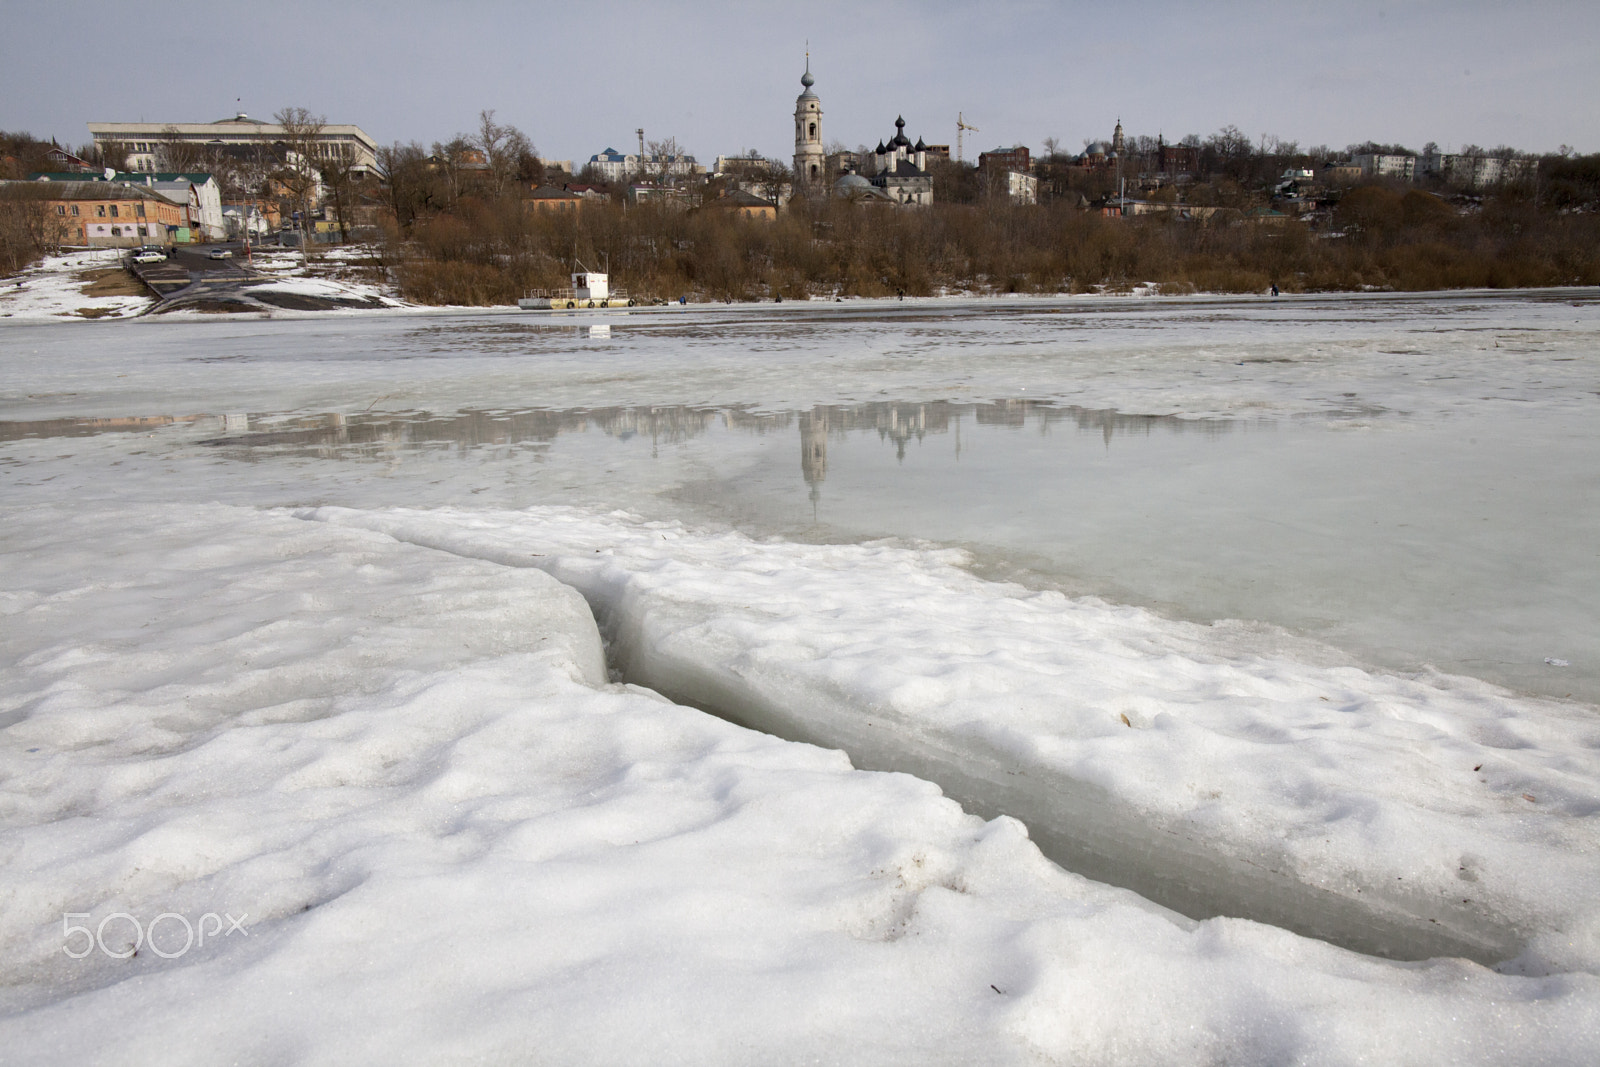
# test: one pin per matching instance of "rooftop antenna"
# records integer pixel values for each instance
(961, 127)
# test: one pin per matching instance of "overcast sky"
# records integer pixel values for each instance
(580, 77)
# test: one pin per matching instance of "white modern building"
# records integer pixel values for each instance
(233, 136)
(740, 164)
(201, 192)
(239, 218)
(1476, 171)
(614, 166)
(1021, 188)
(1386, 166)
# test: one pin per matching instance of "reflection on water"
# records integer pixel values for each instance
(896, 424)
(1457, 544)
(337, 434)
(340, 434)
(18, 431)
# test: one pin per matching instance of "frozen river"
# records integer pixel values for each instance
(1284, 611)
(1413, 481)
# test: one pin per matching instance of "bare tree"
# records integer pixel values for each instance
(505, 149)
(450, 162)
(302, 135)
(660, 158)
(242, 174)
(23, 153)
(339, 175)
(404, 172)
(242, 171)
(763, 177)
(27, 227)
(113, 154)
(173, 153)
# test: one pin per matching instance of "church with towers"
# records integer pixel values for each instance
(810, 162)
(900, 169)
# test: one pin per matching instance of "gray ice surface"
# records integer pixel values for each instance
(1410, 480)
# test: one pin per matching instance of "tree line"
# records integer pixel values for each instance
(457, 236)
(1382, 238)
(456, 229)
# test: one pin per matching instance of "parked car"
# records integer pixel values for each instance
(149, 256)
(221, 253)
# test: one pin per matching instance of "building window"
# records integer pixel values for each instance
(116, 231)
(142, 232)
(113, 211)
(61, 209)
(74, 209)
(100, 211)
(139, 210)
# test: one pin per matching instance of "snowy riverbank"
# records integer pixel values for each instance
(302, 694)
(445, 835)
(91, 284)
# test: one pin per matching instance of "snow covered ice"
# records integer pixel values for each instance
(304, 622)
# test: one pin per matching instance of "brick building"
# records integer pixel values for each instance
(1016, 159)
(1177, 158)
(105, 214)
(547, 198)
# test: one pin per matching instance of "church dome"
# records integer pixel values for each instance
(808, 81)
(851, 184)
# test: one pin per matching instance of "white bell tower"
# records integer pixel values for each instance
(809, 160)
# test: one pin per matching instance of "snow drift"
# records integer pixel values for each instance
(1396, 816)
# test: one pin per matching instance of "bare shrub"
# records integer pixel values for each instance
(492, 250)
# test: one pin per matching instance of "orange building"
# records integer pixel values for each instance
(549, 198)
(105, 215)
(746, 205)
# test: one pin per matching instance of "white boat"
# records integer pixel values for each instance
(589, 289)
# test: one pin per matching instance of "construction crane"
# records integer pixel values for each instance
(961, 127)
